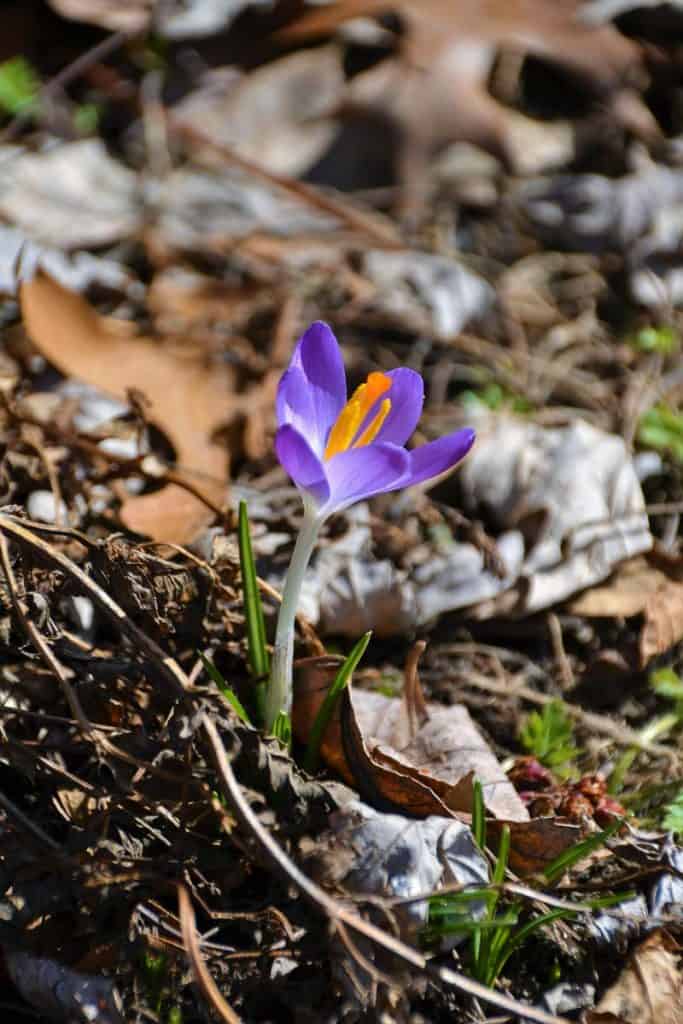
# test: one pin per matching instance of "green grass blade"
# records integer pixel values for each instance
(256, 628)
(229, 694)
(478, 815)
(580, 850)
(259, 662)
(282, 729)
(324, 715)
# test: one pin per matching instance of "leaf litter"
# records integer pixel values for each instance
(165, 264)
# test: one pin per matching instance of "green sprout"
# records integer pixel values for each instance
(549, 736)
(495, 936)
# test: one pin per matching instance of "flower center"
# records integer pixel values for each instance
(343, 433)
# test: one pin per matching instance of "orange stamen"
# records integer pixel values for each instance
(354, 412)
(371, 431)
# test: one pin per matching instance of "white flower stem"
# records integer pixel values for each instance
(279, 692)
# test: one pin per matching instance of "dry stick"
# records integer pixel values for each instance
(620, 733)
(339, 914)
(371, 226)
(194, 954)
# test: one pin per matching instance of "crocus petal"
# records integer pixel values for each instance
(312, 392)
(302, 464)
(406, 396)
(358, 473)
(436, 457)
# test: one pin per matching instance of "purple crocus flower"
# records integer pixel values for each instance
(340, 451)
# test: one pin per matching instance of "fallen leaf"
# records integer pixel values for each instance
(422, 772)
(73, 194)
(278, 115)
(663, 622)
(188, 399)
(116, 15)
(645, 588)
(590, 212)
(649, 990)
(624, 595)
(375, 743)
(200, 211)
(388, 855)
(447, 51)
(423, 292)
(20, 257)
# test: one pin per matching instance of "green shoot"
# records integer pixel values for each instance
(549, 736)
(661, 428)
(322, 719)
(86, 118)
(259, 662)
(19, 86)
(579, 851)
(478, 815)
(496, 936)
(664, 340)
(494, 396)
(227, 692)
(673, 819)
(282, 730)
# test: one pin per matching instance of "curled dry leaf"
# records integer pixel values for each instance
(592, 212)
(649, 989)
(419, 759)
(641, 587)
(389, 856)
(188, 399)
(424, 292)
(278, 115)
(200, 211)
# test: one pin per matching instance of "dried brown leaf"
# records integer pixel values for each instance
(421, 768)
(649, 989)
(641, 587)
(431, 773)
(434, 89)
(188, 399)
(663, 625)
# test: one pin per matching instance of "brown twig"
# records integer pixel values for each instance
(204, 981)
(380, 232)
(322, 902)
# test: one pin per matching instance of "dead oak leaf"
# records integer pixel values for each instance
(433, 87)
(188, 400)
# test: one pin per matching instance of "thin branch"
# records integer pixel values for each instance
(203, 978)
